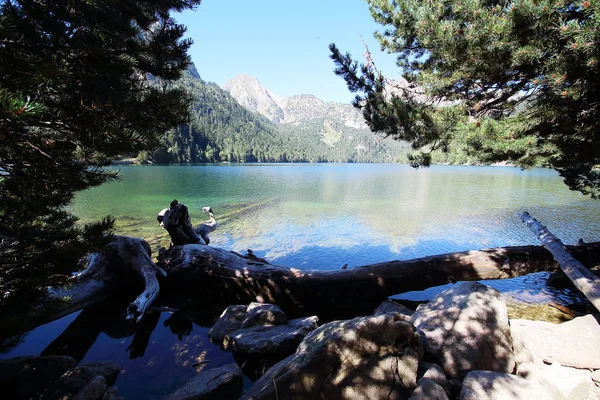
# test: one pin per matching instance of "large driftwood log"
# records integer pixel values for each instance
(582, 277)
(225, 277)
(121, 263)
(228, 277)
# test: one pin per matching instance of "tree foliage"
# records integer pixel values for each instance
(221, 130)
(512, 81)
(74, 93)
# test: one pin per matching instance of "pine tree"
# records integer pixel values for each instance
(75, 92)
(512, 80)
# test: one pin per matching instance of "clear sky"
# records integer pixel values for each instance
(283, 43)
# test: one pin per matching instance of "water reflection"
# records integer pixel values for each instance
(157, 355)
(286, 212)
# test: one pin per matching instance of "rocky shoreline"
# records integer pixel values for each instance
(460, 345)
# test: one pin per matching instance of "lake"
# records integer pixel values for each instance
(325, 215)
(304, 216)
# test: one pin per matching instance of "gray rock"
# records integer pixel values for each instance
(371, 358)
(387, 306)
(466, 328)
(111, 393)
(571, 383)
(281, 339)
(23, 377)
(435, 373)
(230, 320)
(596, 376)
(76, 378)
(93, 390)
(488, 385)
(427, 389)
(224, 383)
(259, 314)
(575, 343)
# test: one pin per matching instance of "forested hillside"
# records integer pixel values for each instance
(223, 130)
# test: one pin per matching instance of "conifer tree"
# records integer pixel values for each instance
(75, 92)
(513, 80)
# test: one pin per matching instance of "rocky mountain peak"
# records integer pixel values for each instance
(248, 92)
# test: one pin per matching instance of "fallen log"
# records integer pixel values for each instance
(124, 264)
(230, 278)
(582, 277)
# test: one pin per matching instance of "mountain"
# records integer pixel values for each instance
(249, 93)
(247, 123)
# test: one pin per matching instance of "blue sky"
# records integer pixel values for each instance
(282, 43)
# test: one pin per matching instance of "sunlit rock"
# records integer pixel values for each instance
(489, 385)
(466, 329)
(371, 358)
(387, 306)
(435, 373)
(427, 389)
(574, 343)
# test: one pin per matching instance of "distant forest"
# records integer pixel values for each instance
(221, 130)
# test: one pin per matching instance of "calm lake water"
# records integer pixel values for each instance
(305, 216)
(325, 215)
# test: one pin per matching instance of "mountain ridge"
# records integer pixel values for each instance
(249, 92)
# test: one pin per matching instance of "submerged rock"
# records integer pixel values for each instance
(224, 383)
(371, 358)
(466, 328)
(489, 385)
(574, 343)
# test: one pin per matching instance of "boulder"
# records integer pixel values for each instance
(489, 385)
(596, 376)
(281, 339)
(230, 320)
(23, 377)
(75, 379)
(224, 383)
(571, 383)
(93, 390)
(388, 306)
(574, 343)
(373, 358)
(466, 328)
(435, 373)
(427, 389)
(259, 314)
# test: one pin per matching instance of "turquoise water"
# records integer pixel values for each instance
(325, 215)
(305, 216)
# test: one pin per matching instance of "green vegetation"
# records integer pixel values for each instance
(221, 130)
(73, 95)
(512, 81)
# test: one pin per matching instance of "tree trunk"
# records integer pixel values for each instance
(229, 278)
(218, 276)
(582, 277)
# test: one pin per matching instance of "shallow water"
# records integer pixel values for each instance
(325, 215)
(307, 216)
